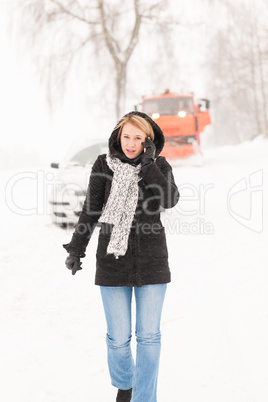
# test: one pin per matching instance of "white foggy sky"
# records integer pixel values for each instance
(25, 122)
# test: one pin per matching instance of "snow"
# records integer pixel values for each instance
(215, 318)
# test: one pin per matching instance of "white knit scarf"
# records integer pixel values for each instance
(121, 204)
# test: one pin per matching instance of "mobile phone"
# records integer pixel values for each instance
(144, 149)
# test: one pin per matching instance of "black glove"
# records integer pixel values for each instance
(149, 152)
(73, 262)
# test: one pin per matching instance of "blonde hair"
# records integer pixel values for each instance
(138, 122)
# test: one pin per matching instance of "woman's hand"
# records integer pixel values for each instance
(149, 152)
(73, 263)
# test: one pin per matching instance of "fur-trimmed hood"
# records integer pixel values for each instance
(159, 139)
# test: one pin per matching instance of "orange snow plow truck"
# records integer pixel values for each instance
(181, 121)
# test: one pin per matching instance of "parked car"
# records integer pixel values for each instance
(68, 192)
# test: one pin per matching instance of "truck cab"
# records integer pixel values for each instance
(181, 120)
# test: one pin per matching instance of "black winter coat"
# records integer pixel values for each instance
(146, 259)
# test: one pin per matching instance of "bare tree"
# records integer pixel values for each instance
(78, 31)
(238, 69)
(263, 82)
(120, 58)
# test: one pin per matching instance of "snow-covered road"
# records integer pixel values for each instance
(215, 319)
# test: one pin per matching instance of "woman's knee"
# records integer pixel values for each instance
(148, 337)
(118, 341)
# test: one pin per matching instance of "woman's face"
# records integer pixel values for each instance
(131, 140)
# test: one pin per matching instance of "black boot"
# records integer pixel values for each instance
(124, 396)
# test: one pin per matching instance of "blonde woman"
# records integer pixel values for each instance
(126, 191)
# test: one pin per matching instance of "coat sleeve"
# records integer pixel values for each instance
(159, 178)
(91, 211)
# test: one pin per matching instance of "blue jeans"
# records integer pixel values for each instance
(142, 377)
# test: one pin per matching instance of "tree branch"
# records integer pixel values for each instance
(108, 38)
(71, 14)
(135, 32)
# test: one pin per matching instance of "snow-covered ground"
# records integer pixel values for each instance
(215, 319)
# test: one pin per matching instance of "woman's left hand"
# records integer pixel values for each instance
(149, 152)
(73, 263)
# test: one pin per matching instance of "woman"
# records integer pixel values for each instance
(127, 189)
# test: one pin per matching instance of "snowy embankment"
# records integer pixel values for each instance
(215, 319)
